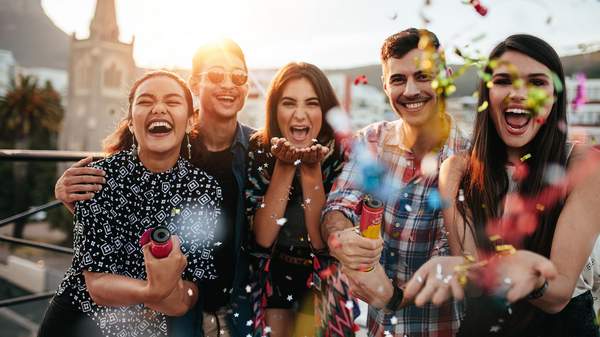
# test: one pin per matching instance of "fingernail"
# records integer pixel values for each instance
(103, 180)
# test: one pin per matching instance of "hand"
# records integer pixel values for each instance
(354, 251)
(78, 183)
(313, 154)
(373, 287)
(163, 274)
(284, 151)
(435, 282)
(523, 272)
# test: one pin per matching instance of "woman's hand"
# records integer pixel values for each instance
(523, 272)
(284, 151)
(313, 154)
(435, 282)
(163, 274)
(517, 274)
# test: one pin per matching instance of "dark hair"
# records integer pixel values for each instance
(486, 182)
(220, 47)
(322, 87)
(122, 138)
(400, 44)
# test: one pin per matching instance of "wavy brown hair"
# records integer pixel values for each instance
(322, 87)
(122, 139)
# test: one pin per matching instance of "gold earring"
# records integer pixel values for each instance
(189, 146)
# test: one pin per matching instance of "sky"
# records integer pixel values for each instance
(328, 33)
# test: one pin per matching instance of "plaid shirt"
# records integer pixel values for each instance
(413, 230)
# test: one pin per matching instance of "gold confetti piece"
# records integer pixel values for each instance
(525, 157)
(539, 207)
(483, 106)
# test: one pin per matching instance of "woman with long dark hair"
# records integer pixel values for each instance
(521, 187)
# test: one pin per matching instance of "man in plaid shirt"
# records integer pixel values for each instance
(413, 230)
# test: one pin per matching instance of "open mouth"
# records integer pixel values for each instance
(160, 128)
(299, 133)
(517, 120)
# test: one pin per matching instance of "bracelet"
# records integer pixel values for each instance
(539, 292)
(396, 298)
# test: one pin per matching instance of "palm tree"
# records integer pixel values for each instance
(30, 117)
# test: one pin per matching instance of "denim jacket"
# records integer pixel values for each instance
(190, 324)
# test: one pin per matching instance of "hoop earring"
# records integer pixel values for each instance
(189, 146)
(134, 148)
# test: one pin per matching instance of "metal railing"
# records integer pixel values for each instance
(37, 155)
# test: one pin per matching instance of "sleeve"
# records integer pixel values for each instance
(259, 172)
(346, 192)
(95, 246)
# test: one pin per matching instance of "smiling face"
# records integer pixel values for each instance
(515, 123)
(299, 114)
(220, 96)
(409, 90)
(159, 116)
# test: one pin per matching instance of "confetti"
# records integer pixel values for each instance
(297, 162)
(434, 200)
(307, 201)
(218, 243)
(361, 79)
(249, 323)
(349, 304)
(394, 320)
(190, 292)
(289, 298)
(248, 288)
(429, 165)
(580, 97)
(483, 106)
(554, 174)
(262, 205)
(408, 208)
(525, 157)
(281, 221)
(479, 8)
(438, 272)
(267, 329)
(235, 314)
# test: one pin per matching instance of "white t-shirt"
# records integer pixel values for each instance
(589, 279)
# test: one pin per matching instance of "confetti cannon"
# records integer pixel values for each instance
(160, 241)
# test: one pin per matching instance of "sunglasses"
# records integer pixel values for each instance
(217, 76)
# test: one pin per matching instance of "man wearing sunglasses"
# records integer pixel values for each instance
(219, 85)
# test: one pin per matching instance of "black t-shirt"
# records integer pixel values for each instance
(217, 291)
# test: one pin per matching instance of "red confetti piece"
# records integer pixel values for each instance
(521, 172)
(482, 10)
(361, 79)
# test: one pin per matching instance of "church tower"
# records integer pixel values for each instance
(101, 70)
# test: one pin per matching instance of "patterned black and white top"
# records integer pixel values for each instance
(108, 227)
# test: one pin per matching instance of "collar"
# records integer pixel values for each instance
(242, 136)
(394, 135)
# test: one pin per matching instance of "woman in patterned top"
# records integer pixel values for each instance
(114, 287)
(292, 164)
